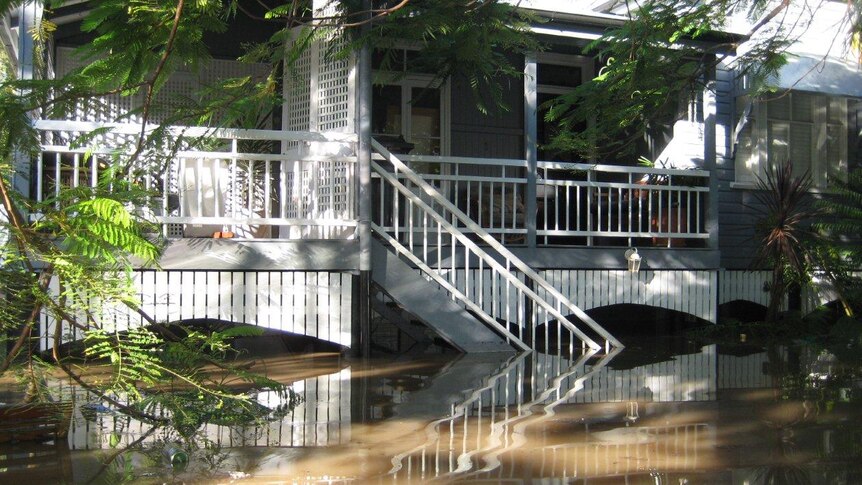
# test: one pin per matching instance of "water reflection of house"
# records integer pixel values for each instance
(321, 418)
(552, 230)
(526, 417)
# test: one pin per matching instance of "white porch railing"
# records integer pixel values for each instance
(438, 246)
(245, 182)
(250, 182)
(576, 204)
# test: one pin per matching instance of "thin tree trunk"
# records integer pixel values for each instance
(776, 294)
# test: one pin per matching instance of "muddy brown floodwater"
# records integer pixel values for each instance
(689, 414)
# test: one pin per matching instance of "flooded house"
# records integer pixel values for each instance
(376, 195)
(377, 209)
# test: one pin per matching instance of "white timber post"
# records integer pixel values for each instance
(530, 147)
(362, 340)
(711, 165)
(709, 154)
(29, 15)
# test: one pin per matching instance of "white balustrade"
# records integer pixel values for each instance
(576, 204)
(206, 181)
(248, 181)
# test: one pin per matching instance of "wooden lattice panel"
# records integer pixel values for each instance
(182, 86)
(333, 89)
(297, 94)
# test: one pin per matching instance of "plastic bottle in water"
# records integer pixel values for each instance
(176, 456)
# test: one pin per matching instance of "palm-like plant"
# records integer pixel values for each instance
(844, 207)
(843, 225)
(782, 229)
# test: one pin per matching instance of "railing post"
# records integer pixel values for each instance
(590, 199)
(529, 316)
(530, 145)
(709, 156)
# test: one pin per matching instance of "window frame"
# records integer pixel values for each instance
(585, 63)
(761, 143)
(407, 82)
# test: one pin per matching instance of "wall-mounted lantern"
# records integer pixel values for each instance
(634, 260)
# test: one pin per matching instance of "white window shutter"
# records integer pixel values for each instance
(808, 129)
(778, 143)
(779, 108)
(800, 147)
(746, 155)
(802, 106)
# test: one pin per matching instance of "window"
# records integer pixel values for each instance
(407, 106)
(808, 129)
(557, 74)
(410, 110)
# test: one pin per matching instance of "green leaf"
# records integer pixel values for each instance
(242, 331)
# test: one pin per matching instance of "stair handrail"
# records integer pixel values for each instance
(525, 410)
(440, 280)
(478, 251)
(458, 410)
(492, 459)
(510, 257)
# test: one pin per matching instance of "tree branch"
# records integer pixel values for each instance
(78, 380)
(151, 84)
(44, 281)
(16, 219)
(766, 19)
(376, 15)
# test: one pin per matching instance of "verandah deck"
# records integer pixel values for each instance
(262, 184)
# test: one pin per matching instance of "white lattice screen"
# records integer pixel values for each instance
(178, 90)
(333, 89)
(297, 94)
(319, 87)
(105, 108)
(182, 85)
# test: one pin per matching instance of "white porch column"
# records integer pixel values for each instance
(709, 155)
(29, 14)
(530, 148)
(362, 335)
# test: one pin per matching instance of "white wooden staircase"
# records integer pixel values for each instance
(440, 265)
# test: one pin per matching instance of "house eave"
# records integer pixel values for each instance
(592, 25)
(581, 18)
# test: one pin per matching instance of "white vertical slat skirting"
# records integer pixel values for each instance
(689, 377)
(688, 291)
(745, 372)
(694, 292)
(751, 286)
(314, 303)
(819, 292)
